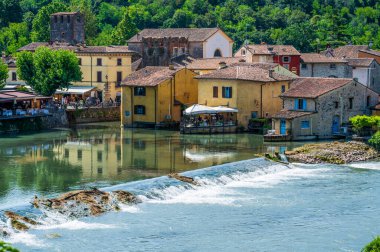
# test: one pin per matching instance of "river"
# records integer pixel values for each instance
(244, 203)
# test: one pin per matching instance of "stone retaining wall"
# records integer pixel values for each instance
(90, 115)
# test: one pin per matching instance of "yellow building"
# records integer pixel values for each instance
(103, 67)
(157, 94)
(253, 89)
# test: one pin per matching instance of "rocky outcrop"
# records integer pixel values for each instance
(185, 179)
(332, 152)
(19, 222)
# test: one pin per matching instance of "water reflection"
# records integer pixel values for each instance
(60, 161)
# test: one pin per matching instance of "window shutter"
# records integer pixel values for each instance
(223, 92)
(304, 104)
(295, 104)
(215, 92)
(230, 92)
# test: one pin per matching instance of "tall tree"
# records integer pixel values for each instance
(10, 12)
(47, 70)
(124, 30)
(3, 73)
(13, 37)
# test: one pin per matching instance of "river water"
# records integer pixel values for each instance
(243, 203)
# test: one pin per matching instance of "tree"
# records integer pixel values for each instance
(41, 22)
(373, 246)
(3, 74)
(47, 70)
(10, 12)
(5, 247)
(124, 30)
(84, 7)
(13, 37)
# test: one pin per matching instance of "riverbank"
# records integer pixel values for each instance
(332, 152)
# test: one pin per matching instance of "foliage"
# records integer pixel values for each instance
(363, 121)
(373, 246)
(13, 37)
(4, 247)
(47, 70)
(375, 142)
(3, 74)
(309, 25)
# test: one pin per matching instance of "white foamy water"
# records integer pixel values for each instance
(366, 165)
(28, 239)
(76, 225)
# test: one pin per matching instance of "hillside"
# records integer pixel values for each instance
(309, 25)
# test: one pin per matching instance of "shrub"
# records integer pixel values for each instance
(373, 246)
(375, 140)
(4, 247)
(363, 121)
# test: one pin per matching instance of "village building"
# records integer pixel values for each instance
(253, 89)
(285, 55)
(154, 95)
(158, 47)
(103, 67)
(370, 54)
(319, 65)
(320, 108)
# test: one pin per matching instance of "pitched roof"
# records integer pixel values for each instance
(210, 63)
(269, 49)
(348, 51)
(77, 49)
(320, 58)
(246, 72)
(64, 13)
(136, 65)
(290, 114)
(314, 87)
(192, 34)
(373, 52)
(360, 62)
(149, 76)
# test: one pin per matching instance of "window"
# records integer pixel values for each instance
(79, 155)
(368, 101)
(227, 92)
(215, 92)
(175, 51)
(217, 53)
(100, 170)
(119, 62)
(119, 77)
(305, 125)
(61, 19)
(55, 19)
(332, 66)
(98, 61)
(336, 104)
(283, 89)
(304, 66)
(80, 61)
(99, 76)
(350, 102)
(78, 19)
(139, 91)
(67, 153)
(100, 156)
(300, 104)
(68, 19)
(286, 59)
(14, 76)
(139, 110)
(118, 153)
(254, 114)
(243, 52)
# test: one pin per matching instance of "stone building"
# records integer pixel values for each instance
(319, 108)
(319, 65)
(158, 47)
(67, 27)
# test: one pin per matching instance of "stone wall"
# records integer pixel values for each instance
(324, 70)
(90, 115)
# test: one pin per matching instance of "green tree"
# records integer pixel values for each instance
(13, 37)
(3, 74)
(124, 30)
(47, 70)
(85, 7)
(5, 247)
(41, 22)
(373, 246)
(10, 12)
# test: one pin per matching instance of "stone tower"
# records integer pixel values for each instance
(67, 27)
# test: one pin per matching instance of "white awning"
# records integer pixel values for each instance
(75, 90)
(201, 109)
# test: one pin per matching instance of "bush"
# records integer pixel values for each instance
(4, 247)
(363, 121)
(373, 246)
(375, 140)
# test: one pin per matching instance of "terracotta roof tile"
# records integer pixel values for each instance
(64, 13)
(373, 52)
(290, 114)
(360, 62)
(246, 71)
(78, 49)
(208, 64)
(314, 87)
(193, 34)
(149, 76)
(277, 49)
(320, 58)
(348, 51)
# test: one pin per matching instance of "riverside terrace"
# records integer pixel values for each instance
(19, 104)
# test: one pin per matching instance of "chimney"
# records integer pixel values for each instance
(271, 71)
(171, 66)
(222, 65)
(370, 44)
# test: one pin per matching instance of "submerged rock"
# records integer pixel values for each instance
(18, 222)
(126, 197)
(332, 152)
(183, 178)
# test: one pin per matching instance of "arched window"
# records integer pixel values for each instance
(243, 52)
(217, 53)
